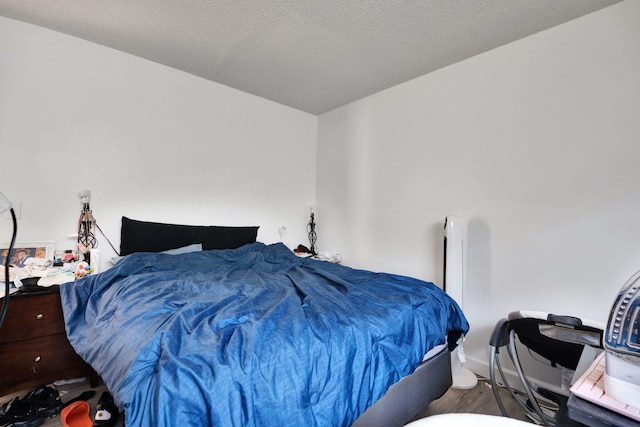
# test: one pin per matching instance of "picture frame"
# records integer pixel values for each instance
(40, 250)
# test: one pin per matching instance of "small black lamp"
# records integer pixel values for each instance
(5, 205)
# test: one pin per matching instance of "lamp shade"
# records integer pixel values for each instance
(5, 204)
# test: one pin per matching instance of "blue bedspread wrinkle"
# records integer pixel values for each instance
(253, 336)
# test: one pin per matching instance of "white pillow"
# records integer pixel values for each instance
(196, 247)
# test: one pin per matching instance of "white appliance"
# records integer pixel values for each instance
(453, 278)
(622, 345)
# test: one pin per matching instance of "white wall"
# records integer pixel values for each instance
(150, 142)
(535, 145)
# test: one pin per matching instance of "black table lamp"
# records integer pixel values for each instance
(5, 205)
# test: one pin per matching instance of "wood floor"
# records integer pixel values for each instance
(479, 400)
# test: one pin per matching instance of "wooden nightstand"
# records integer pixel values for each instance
(34, 348)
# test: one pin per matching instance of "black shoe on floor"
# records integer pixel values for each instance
(18, 413)
(46, 399)
(107, 412)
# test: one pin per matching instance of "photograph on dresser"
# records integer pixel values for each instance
(24, 254)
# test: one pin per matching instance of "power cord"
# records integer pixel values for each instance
(7, 288)
(105, 236)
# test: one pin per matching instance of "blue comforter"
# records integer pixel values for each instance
(252, 336)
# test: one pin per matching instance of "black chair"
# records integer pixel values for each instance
(557, 341)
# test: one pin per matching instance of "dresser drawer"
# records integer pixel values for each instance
(32, 316)
(39, 361)
(34, 348)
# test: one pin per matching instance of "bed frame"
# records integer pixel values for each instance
(404, 399)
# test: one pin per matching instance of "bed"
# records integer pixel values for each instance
(243, 333)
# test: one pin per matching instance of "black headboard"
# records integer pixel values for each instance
(143, 236)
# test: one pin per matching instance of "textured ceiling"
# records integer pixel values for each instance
(312, 55)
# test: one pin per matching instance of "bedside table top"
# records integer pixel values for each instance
(29, 290)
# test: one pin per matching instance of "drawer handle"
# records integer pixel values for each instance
(37, 359)
(40, 316)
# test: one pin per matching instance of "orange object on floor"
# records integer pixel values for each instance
(76, 415)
